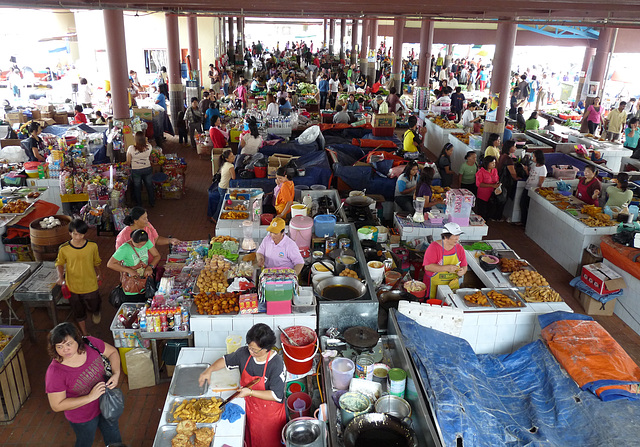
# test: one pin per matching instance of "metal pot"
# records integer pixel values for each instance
(383, 428)
(359, 201)
(341, 281)
(345, 261)
(353, 404)
(388, 299)
(304, 433)
(395, 406)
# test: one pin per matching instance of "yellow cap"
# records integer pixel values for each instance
(276, 225)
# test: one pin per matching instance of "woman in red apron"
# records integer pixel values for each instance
(589, 186)
(445, 261)
(264, 401)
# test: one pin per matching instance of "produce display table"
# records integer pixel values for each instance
(226, 433)
(437, 137)
(612, 152)
(561, 235)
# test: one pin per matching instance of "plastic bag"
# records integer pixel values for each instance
(310, 135)
(13, 154)
(112, 403)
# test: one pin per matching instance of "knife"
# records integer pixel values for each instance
(234, 395)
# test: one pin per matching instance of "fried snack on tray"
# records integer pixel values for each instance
(593, 222)
(204, 436)
(181, 441)
(235, 215)
(502, 300)
(508, 265)
(186, 428)
(537, 294)
(591, 210)
(527, 278)
(477, 298)
(205, 410)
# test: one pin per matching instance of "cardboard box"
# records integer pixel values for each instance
(216, 154)
(48, 121)
(62, 118)
(16, 117)
(594, 307)
(9, 142)
(47, 109)
(601, 278)
(143, 113)
(46, 115)
(35, 114)
(384, 120)
(276, 161)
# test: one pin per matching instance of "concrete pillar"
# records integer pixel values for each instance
(192, 24)
(424, 56)
(117, 55)
(586, 62)
(223, 28)
(324, 34)
(240, 26)
(176, 91)
(355, 40)
(232, 43)
(603, 49)
(398, 40)
(343, 29)
(364, 48)
(332, 36)
(500, 77)
(373, 42)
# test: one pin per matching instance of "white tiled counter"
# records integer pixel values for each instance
(423, 230)
(211, 331)
(627, 306)
(437, 136)
(561, 235)
(231, 434)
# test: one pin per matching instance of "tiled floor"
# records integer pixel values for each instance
(37, 425)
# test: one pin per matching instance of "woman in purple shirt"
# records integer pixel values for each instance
(278, 250)
(423, 188)
(75, 380)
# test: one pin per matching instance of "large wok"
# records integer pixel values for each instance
(342, 281)
(359, 201)
(379, 430)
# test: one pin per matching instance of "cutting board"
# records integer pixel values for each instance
(224, 380)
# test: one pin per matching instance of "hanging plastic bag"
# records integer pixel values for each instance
(112, 403)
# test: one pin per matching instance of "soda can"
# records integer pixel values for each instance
(388, 264)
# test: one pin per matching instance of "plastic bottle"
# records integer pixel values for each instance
(142, 319)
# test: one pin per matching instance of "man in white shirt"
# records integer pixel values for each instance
(444, 74)
(453, 82)
(468, 117)
(334, 86)
(272, 83)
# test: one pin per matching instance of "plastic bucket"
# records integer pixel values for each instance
(374, 232)
(233, 343)
(342, 370)
(383, 234)
(297, 196)
(299, 405)
(324, 225)
(266, 219)
(299, 359)
(300, 230)
(318, 187)
(298, 210)
(260, 171)
(295, 386)
(376, 271)
(365, 234)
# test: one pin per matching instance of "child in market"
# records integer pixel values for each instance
(78, 266)
(80, 117)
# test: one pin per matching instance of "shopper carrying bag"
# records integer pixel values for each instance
(75, 382)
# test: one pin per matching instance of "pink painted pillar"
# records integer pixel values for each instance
(602, 55)
(332, 35)
(117, 55)
(192, 24)
(398, 40)
(505, 43)
(343, 29)
(324, 33)
(354, 41)
(176, 90)
(424, 56)
(373, 42)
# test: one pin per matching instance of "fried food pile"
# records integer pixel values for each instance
(537, 294)
(205, 410)
(511, 265)
(186, 430)
(527, 278)
(217, 303)
(502, 300)
(477, 298)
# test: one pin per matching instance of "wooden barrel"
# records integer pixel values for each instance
(45, 242)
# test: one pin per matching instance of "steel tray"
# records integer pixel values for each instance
(185, 380)
(40, 286)
(13, 272)
(174, 402)
(469, 305)
(166, 433)
(511, 294)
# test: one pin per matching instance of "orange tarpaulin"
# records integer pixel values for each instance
(384, 144)
(621, 256)
(593, 358)
(338, 126)
(41, 209)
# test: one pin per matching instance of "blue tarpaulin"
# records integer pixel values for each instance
(577, 282)
(521, 399)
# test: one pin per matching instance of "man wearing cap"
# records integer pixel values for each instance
(278, 250)
(445, 261)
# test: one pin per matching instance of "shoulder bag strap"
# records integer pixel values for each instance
(136, 252)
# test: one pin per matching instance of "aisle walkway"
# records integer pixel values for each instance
(37, 425)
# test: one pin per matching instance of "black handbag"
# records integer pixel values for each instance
(117, 297)
(108, 372)
(150, 288)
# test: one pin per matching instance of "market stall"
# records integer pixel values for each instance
(563, 228)
(613, 153)
(438, 135)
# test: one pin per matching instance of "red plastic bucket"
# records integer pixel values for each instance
(294, 412)
(260, 172)
(266, 218)
(299, 359)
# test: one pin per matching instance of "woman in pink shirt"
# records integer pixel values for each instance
(138, 220)
(593, 115)
(241, 93)
(487, 180)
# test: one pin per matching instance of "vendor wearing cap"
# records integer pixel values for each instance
(278, 250)
(445, 261)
